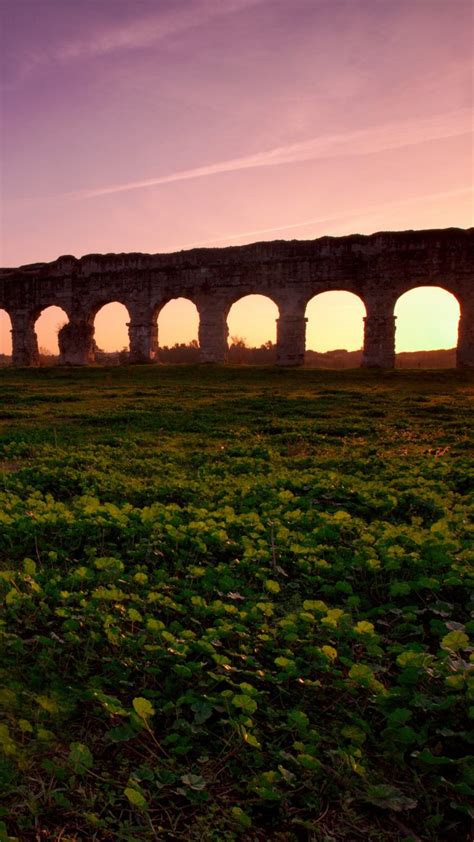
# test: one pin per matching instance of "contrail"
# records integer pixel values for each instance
(360, 142)
(320, 219)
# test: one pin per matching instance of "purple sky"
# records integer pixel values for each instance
(145, 125)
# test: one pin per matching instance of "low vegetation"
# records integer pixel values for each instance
(236, 605)
(240, 353)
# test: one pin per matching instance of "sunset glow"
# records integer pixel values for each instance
(426, 317)
(156, 126)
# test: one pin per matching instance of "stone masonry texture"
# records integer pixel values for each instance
(378, 268)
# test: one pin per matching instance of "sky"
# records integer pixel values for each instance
(158, 125)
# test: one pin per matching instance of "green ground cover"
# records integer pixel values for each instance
(236, 605)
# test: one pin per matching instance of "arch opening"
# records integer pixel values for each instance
(335, 330)
(47, 326)
(178, 331)
(251, 322)
(111, 339)
(5, 338)
(426, 333)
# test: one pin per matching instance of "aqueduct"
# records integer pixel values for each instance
(378, 268)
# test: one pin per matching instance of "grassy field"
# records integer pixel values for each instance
(236, 605)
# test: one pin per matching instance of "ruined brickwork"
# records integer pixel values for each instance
(378, 268)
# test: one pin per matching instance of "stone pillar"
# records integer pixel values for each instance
(465, 348)
(143, 340)
(213, 333)
(76, 343)
(291, 339)
(379, 340)
(24, 339)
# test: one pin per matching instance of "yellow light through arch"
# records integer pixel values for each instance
(253, 318)
(111, 331)
(335, 321)
(47, 326)
(5, 333)
(178, 322)
(427, 319)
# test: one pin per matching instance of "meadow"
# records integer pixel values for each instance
(236, 604)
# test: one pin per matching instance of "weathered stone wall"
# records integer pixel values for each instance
(378, 268)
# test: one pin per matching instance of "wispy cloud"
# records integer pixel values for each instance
(347, 214)
(141, 32)
(358, 142)
(150, 29)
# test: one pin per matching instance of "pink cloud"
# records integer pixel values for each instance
(358, 142)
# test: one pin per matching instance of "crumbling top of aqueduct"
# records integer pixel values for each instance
(378, 268)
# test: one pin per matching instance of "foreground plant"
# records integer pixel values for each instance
(256, 630)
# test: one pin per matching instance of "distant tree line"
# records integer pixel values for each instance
(241, 354)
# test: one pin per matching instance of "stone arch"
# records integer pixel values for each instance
(252, 321)
(335, 321)
(5, 335)
(110, 321)
(427, 319)
(380, 267)
(47, 323)
(177, 324)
